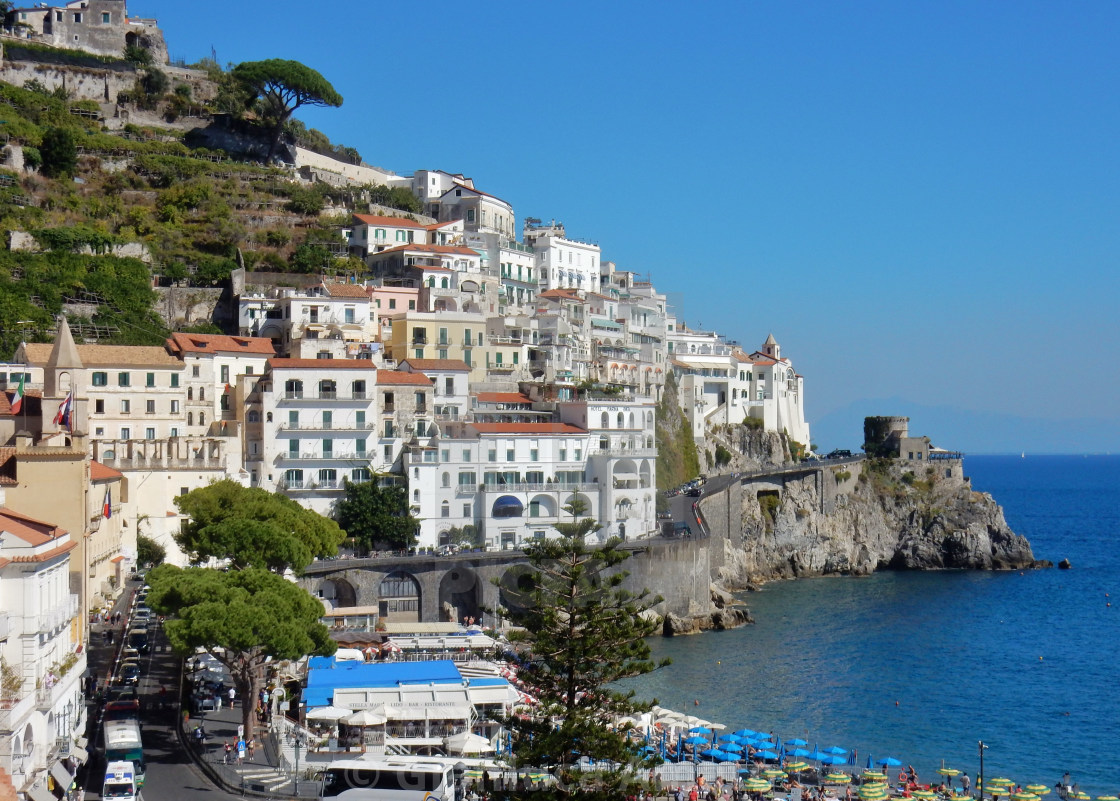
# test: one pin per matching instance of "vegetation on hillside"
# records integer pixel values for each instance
(678, 460)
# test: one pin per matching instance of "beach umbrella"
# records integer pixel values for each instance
(873, 792)
(1106, 798)
(363, 717)
(948, 771)
(923, 795)
(695, 740)
(699, 730)
(1038, 789)
(795, 743)
(961, 798)
(729, 738)
(819, 756)
(1024, 797)
(468, 743)
(998, 782)
(745, 733)
(836, 751)
(1079, 796)
(763, 744)
(773, 773)
(328, 713)
(710, 753)
(837, 778)
(765, 755)
(801, 753)
(796, 767)
(888, 762)
(873, 776)
(732, 748)
(717, 726)
(757, 785)
(832, 759)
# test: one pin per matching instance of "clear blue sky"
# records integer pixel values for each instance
(919, 199)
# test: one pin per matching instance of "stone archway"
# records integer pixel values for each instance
(339, 592)
(514, 588)
(460, 595)
(398, 597)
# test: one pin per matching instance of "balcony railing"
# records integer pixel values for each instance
(327, 457)
(326, 395)
(323, 425)
(58, 617)
(550, 487)
(623, 453)
(310, 484)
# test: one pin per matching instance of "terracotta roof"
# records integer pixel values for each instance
(6, 403)
(560, 294)
(32, 531)
(219, 343)
(101, 472)
(502, 397)
(8, 467)
(336, 290)
(437, 364)
(398, 222)
(527, 428)
(448, 249)
(321, 364)
(598, 295)
(45, 556)
(107, 355)
(399, 377)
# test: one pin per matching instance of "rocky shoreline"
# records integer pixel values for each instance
(878, 514)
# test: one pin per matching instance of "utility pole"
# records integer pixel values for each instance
(982, 747)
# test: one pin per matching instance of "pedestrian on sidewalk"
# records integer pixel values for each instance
(240, 751)
(229, 750)
(252, 747)
(232, 697)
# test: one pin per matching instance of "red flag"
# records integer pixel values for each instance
(107, 506)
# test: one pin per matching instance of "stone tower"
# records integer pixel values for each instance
(771, 348)
(63, 374)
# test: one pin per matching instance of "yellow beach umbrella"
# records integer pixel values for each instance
(838, 778)
(1079, 796)
(873, 776)
(773, 773)
(757, 785)
(1038, 789)
(1107, 798)
(998, 782)
(923, 795)
(961, 798)
(948, 771)
(873, 792)
(796, 767)
(1024, 797)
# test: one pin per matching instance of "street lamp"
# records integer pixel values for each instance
(982, 747)
(295, 778)
(459, 769)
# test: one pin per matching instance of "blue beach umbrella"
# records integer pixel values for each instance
(732, 748)
(819, 756)
(765, 755)
(745, 733)
(889, 762)
(835, 751)
(796, 743)
(833, 759)
(699, 730)
(799, 752)
(869, 766)
(729, 738)
(695, 740)
(710, 753)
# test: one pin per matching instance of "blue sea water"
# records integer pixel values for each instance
(922, 666)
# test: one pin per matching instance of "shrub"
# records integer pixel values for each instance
(843, 475)
(753, 423)
(723, 456)
(769, 503)
(60, 153)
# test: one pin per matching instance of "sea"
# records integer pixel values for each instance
(924, 666)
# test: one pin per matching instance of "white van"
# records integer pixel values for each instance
(120, 782)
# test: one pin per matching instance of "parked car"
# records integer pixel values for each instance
(129, 674)
(840, 453)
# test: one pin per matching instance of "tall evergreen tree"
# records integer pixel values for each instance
(581, 632)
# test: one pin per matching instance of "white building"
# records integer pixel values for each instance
(42, 711)
(562, 262)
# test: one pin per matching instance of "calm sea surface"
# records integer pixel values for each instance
(920, 666)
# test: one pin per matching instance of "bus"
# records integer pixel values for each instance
(123, 744)
(120, 782)
(390, 780)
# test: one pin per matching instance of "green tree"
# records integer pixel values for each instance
(582, 633)
(373, 515)
(282, 86)
(59, 153)
(148, 551)
(577, 529)
(252, 527)
(242, 618)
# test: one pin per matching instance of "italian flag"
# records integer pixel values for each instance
(17, 399)
(107, 505)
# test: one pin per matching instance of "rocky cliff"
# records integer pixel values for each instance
(872, 515)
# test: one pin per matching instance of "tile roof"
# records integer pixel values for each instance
(560, 294)
(527, 428)
(45, 556)
(101, 472)
(437, 364)
(385, 377)
(455, 250)
(107, 355)
(8, 467)
(321, 364)
(502, 397)
(219, 343)
(398, 222)
(338, 290)
(32, 531)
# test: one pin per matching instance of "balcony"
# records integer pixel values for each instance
(418, 340)
(549, 487)
(624, 453)
(333, 456)
(51, 621)
(321, 425)
(310, 485)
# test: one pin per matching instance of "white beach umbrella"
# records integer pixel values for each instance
(331, 713)
(363, 717)
(468, 743)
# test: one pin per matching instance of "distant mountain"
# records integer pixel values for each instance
(969, 431)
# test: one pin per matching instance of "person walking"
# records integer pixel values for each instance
(232, 697)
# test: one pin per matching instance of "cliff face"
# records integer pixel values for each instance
(858, 518)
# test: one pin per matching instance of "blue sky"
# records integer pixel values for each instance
(920, 200)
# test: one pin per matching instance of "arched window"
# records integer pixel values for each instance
(445, 509)
(606, 421)
(444, 284)
(431, 280)
(202, 393)
(269, 417)
(201, 419)
(190, 418)
(631, 419)
(190, 393)
(621, 420)
(254, 417)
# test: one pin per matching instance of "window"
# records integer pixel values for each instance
(468, 478)
(360, 447)
(360, 419)
(101, 379)
(470, 215)
(418, 353)
(392, 303)
(443, 353)
(445, 509)
(510, 455)
(175, 408)
(123, 379)
(224, 373)
(175, 433)
(493, 455)
(449, 386)
(78, 16)
(174, 379)
(126, 433)
(466, 510)
(150, 407)
(579, 454)
(359, 474)
(149, 433)
(328, 477)
(421, 427)
(534, 455)
(105, 18)
(358, 388)
(99, 407)
(126, 406)
(388, 451)
(328, 420)
(563, 454)
(466, 454)
(150, 380)
(388, 428)
(328, 448)
(194, 371)
(293, 448)
(412, 305)
(421, 402)
(293, 479)
(201, 419)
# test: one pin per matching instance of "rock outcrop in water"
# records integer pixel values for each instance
(879, 514)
